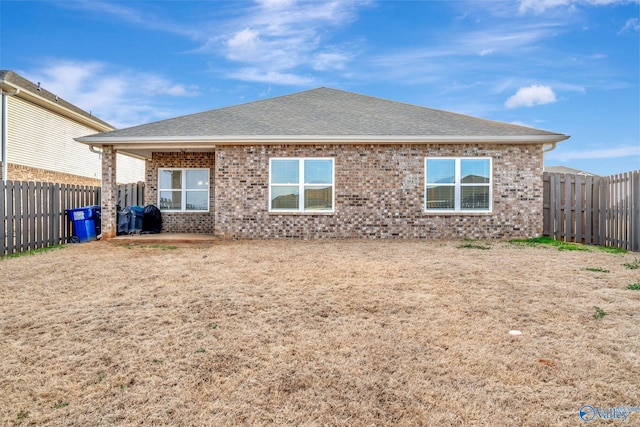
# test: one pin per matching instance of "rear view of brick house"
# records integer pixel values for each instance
(326, 163)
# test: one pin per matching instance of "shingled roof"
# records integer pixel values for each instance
(323, 115)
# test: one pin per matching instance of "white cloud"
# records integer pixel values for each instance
(631, 25)
(531, 95)
(120, 97)
(604, 153)
(540, 6)
(278, 38)
(330, 60)
(139, 16)
(258, 75)
(275, 4)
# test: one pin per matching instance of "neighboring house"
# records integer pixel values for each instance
(565, 169)
(37, 138)
(326, 163)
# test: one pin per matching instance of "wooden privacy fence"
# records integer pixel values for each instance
(130, 195)
(33, 214)
(594, 210)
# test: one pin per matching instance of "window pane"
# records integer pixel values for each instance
(475, 198)
(285, 197)
(197, 200)
(475, 171)
(285, 172)
(197, 179)
(170, 200)
(170, 179)
(318, 198)
(441, 171)
(318, 172)
(440, 197)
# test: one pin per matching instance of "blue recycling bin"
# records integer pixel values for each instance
(86, 223)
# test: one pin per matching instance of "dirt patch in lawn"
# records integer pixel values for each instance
(317, 333)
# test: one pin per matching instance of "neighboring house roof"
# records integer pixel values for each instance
(565, 169)
(10, 82)
(320, 115)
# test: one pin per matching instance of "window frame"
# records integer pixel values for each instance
(458, 185)
(183, 190)
(301, 186)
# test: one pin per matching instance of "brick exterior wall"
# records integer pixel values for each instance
(183, 222)
(27, 173)
(379, 193)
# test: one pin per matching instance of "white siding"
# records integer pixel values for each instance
(129, 169)
(42, 139)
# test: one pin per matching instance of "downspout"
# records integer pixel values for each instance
(4, 137)
(549, 148)
(95, 150)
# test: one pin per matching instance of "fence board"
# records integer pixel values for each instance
(10, 218)
(557, 205)
(3, 215)
(546, 206)
(593, 210)
(635, 210)
(130, 195)
(579, 212)
(588, 209)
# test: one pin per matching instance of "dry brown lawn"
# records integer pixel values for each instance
(341, 333)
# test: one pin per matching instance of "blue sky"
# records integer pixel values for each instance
(567, 66)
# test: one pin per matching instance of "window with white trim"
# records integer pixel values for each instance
(301, 184)
(183, 190)
(460, 184)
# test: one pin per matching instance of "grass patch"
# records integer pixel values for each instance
(473, 246)
(33, 252)
(597, 269)
(200, 350)
(611, 249)
(22, 415)
(154, 246)
(60, 405)
(548, 241)
(159, 246)
(600, 313)
(634, 287)
(634, 265)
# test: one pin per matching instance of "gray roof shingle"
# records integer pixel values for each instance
(323, 112)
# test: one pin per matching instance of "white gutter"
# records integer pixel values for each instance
(209, 141)
(99, 152)
(551, 147)
(5, 130)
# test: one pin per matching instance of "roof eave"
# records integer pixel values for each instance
(52, 106)
(208, 141)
